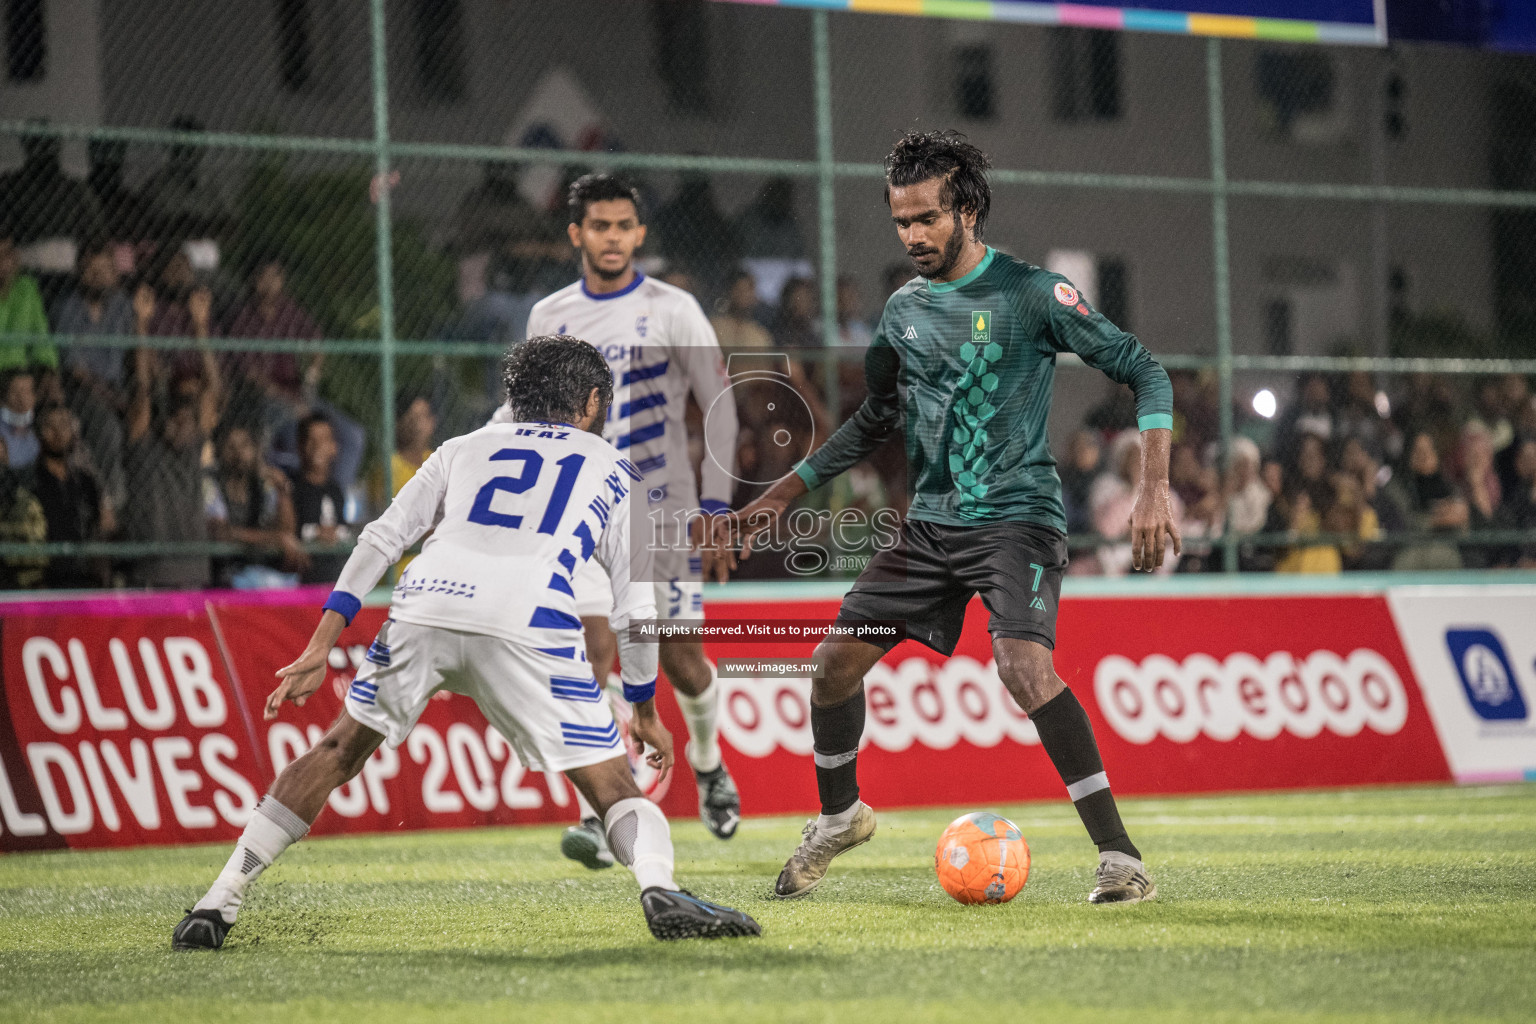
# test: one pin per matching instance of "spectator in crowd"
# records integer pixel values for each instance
(269, 312)
(1247, 497)
(1519, 509)
(1359, 417)
(1432, 505)
(163, 463)
(1198, 487)
(1351, 515)
(184, 203)
(21, 312)
(415, 425)
(1369, 474)
(96, 306)
(272, 381)
(1523, 418)
(1478, 482)
(21, 522)
(71, 499)
(797, 323)
(319, 506)
(1491, 410)
(183, 307)
(1304, 520)
(1309, 471)
(1312, 415)
(19, 395)
(735, 320)
(693, 234)
(44, 201)
(1111, 500)
(768, 227)
(1077, 475)
(853, 331)
(249, 503)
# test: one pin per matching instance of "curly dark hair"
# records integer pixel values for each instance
(923, 156)
(597, 188)
(548, 378)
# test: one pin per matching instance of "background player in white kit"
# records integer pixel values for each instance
(509, 507)
(660, 347)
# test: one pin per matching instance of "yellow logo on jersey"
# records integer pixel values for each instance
(981, 323)
(981, 330)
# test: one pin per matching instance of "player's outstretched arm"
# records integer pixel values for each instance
(304, 676)
(1152, 525)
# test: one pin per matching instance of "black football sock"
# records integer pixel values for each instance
(835, 735)
(1067, 736)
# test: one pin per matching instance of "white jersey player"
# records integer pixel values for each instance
(487, 610)
(660, 348)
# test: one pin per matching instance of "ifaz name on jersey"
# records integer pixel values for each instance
(558, 435)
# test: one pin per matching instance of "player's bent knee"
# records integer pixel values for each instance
(1027, 671)
(605, 783)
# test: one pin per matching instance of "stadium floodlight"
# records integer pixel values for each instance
(1264, 403)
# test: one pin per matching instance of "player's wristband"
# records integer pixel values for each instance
(639, 694)
(805, 472)
(1155, 421)
(714, 508)
(343, 604)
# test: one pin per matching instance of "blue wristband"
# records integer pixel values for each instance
(343, 604)
(640, 694)
(714, 508)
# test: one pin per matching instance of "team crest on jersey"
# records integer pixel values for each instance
(640, 324)
(1066, 294)
(911, 334)
(981, 326)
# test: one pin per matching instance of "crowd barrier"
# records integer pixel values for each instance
(136, 720)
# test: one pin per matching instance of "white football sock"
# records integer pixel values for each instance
(641, 840)
(840, 821)
(583, 806)
(703, 749)
(272, 829)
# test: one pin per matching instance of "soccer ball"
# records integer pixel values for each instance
(982, 858)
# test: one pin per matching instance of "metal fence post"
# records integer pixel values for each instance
(385, 252)
(821, 44)
(1221, 267)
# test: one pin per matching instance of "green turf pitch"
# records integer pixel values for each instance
(1367, 905)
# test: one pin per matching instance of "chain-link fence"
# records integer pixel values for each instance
(259, 260)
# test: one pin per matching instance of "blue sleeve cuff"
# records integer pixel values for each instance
(805, 472)
(714, 508)
(1155, 421)
(640, 694)
(343, 604)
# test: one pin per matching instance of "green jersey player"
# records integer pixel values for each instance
(967, 352)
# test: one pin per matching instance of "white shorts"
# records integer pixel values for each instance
(545, 702)
(681, 596)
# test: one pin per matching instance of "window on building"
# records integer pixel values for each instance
(975, 95)
(26, 40)
(1085, 74)
(440, 49)
(295, 44)
(1299, 91)
(1277, 327)
(681, 34)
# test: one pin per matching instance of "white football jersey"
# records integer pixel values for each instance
(660, 346)
(513, 509)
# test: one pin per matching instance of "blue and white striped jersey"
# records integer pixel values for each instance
(513, 510)
(660, 347)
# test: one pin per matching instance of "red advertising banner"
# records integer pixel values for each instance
(139, 722)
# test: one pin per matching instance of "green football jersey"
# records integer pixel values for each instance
(972, 363)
